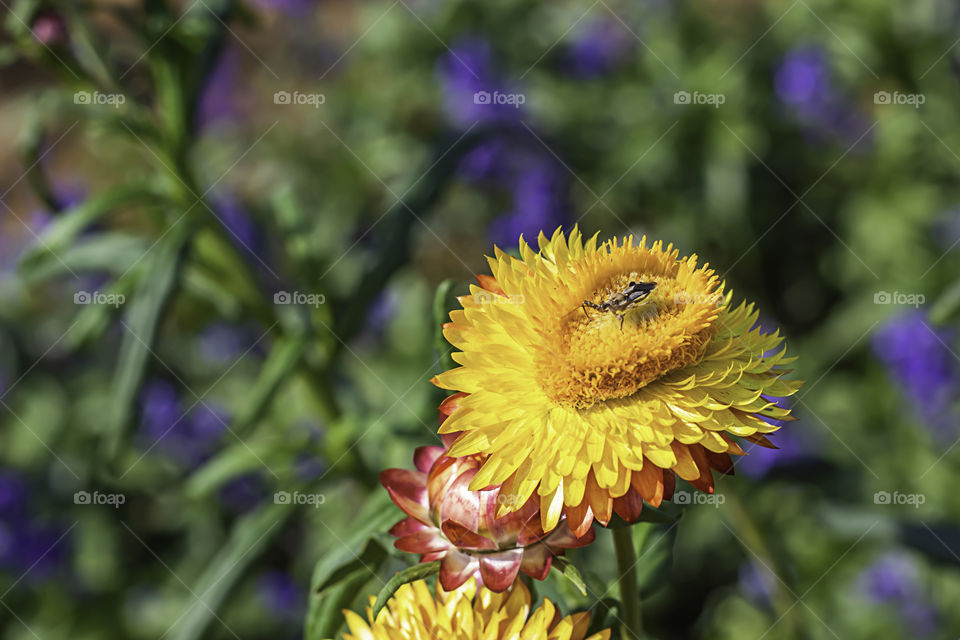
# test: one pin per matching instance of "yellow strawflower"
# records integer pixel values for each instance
(414, 613)
(594, 407)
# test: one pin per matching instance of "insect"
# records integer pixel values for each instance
(618, 303)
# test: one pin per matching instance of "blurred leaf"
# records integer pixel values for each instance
(328, 601)
(655, 560)
(111, 252)
(571, 573)
(249, 536)
(335, 583)
(441, 315)
(143, 315)
(410, 574)
(947, 305)
(63, 230)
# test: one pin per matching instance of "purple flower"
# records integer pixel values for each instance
(918, 356)
(803, 83)
(244, 492)
(757, 583)
(597, 47)
(187, 438)
(49, 28)
(280, 595)
(894, 580)
(221, 343)
(471, 84)
(219, 98)
(538, 204)
(290, 7)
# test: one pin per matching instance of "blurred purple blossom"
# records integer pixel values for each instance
(219, 98)
(894, 580)
(468, 78)
(222, 343)
(27, 544)
(757, 583)
(919, 358)
(297, 8)
(804, 84)
(596, 48)
(538, 204)
(186, 437)
(281, 596)
(244, 492)
(49, 28)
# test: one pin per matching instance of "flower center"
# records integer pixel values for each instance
(609, 349)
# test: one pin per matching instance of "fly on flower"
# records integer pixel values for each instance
(619, 302)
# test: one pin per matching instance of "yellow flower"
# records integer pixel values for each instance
(414, 613)
(595, 411)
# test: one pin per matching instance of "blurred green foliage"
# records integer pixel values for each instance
(151, 167)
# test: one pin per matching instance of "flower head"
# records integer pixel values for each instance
(594, 411)
(449, 522)
(467, 613)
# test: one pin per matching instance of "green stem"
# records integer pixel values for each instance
(627, 579)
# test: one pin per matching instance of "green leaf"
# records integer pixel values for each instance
(250, 535)
(571, 573)
(947, 305)
(62, 231)
(143, 314)
(655, 560)
(111, 252)
(410, 574)
(441, 315)
(340, 589)
(336, 583)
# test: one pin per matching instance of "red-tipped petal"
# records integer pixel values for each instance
(426, 541)
(490, 284)
(406, 526)
(459, 504)
(463, 538)
(499, 570)
(629, 505)
(450, 404)
(536, 561)
(564, 538)
(579, 518)
(455, 569)
(424, 457)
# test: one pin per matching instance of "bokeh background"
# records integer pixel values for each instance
(229, 230)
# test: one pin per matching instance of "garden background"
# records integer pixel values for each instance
(229, 232)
